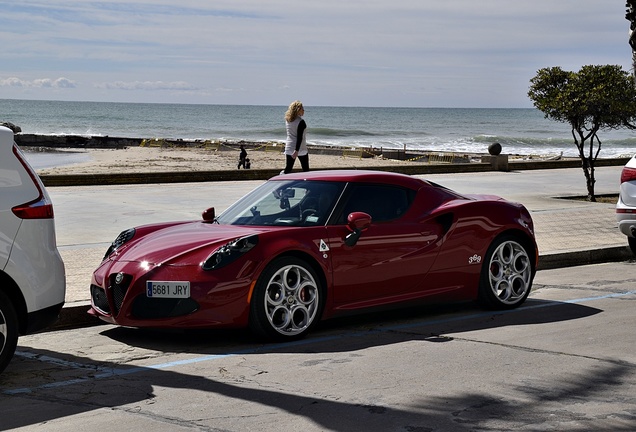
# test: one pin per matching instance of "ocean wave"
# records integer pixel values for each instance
(480, 144)
(328, 132)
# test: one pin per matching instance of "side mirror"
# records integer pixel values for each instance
(356, 222)
(208, 215)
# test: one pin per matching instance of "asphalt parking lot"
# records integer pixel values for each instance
(563, 361)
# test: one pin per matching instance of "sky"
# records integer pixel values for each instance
(398, 53)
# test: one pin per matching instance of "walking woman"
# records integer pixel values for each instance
(296, 144)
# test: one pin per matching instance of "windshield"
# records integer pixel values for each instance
(290, 203)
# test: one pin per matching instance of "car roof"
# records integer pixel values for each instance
(359, 176)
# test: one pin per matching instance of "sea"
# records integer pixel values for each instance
(520, 131)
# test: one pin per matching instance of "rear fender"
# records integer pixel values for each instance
(476, 225)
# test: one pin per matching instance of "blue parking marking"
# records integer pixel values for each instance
(613, 295)
(114, 372)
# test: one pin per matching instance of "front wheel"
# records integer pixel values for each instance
(507, 273)
(287, 300)
(8, 331)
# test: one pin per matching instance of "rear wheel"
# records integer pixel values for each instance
(287, 300)
(8, 331)
(507, 273)
(632, 244)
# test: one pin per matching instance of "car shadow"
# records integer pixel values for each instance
(135, 395)
(108, 385)
(431, 323)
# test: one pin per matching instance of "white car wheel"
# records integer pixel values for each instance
(507, 273)
(287, 300)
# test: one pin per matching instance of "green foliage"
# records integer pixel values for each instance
(592, 99)
(596, 97)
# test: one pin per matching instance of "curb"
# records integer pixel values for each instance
(584, 257)
(76, 315)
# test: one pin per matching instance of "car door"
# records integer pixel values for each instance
(392, 256)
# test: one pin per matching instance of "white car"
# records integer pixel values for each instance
(626, 206)
(32, 277)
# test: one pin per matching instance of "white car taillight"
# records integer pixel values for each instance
(39, 208)
(628, 174)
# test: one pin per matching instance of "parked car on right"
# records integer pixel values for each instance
(32, 278)
(626, 205)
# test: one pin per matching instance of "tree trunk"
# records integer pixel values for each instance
(588, 170)
(591, 181)
(587, 162)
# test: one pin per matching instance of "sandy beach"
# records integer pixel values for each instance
(151, 159)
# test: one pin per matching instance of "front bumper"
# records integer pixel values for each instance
(213, 303)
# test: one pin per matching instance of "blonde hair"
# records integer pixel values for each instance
(293, 110)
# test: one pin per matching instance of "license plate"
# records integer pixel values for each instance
(168, 289)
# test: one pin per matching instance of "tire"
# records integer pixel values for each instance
(8, 330)
(632, 244)
(506, 275)
(287, 301)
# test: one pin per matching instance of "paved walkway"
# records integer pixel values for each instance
(568, 232)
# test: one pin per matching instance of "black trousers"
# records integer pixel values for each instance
(304, 163)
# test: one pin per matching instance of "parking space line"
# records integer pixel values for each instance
(113, 372)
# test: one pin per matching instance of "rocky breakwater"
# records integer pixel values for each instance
(75, 141)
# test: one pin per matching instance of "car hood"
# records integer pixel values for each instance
(183, 244)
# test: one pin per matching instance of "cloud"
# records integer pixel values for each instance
(148, 85)
(38, 83)
(371, 52)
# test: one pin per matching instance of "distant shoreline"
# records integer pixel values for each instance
(73, 162)
(103, 157)
(109, 142)
(43, 157)
(64, 142)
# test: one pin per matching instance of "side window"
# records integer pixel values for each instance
(382, 202)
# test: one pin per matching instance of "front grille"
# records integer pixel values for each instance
(99, 299)
(118, 290)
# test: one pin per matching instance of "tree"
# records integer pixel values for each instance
(593, 99)
(630, 15)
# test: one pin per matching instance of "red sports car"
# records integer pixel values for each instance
(308, 246)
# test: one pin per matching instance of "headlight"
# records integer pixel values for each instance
(229, 252)
(122, 238)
